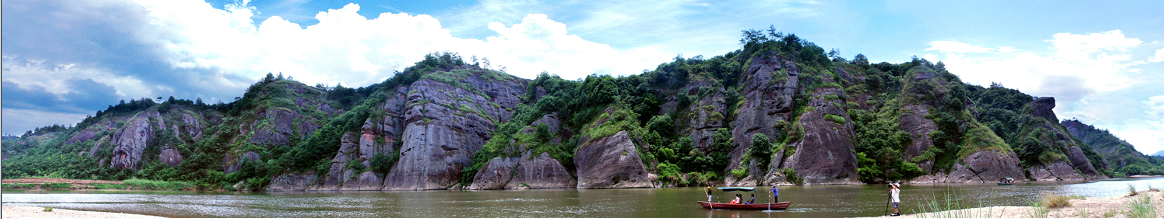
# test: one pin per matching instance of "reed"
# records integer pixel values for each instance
(1132, 190)
(1142, 208)
(949, 206)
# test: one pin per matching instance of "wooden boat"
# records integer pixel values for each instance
(762, 206)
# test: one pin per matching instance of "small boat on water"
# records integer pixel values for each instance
(755, 206)
(764, 206)
(1006, 181)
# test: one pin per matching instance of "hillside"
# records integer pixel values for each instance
(778, 111)
(1118, 154)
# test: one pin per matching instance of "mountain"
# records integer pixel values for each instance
(778, 111)
(1118, 154)
(1159, 153)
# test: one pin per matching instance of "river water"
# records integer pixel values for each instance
(807, 201)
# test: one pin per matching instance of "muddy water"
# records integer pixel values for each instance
(807, 201)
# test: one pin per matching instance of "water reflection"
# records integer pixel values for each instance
(808, 201)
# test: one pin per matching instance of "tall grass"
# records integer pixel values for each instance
(949, 206)
(1142, 208)
(1132, 190)
(158, 185)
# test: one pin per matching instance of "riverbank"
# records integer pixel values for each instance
(1121, 206)
(38, 212)
(82, 184)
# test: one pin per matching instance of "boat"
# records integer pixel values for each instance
(1006, 181)
(764, 206)
(757, 206)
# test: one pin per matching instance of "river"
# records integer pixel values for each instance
(807, 201)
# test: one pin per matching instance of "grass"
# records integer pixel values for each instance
(949, 207)
(107, 186)
(1132, 190)
(48, 209)
(1055, 201)
(1141, 208)
(158, 185)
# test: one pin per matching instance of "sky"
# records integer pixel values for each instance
(64, 60)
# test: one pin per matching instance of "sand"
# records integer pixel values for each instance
(1109, 207)
(38, 212)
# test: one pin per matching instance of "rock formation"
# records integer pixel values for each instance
(610, 162)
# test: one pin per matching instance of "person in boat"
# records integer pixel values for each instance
(709, 194)
(753, 201)
(737, 199)
(895, 196)
(775, 194)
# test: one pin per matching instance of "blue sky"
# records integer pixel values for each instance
(66, 59)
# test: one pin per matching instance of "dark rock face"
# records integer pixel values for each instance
(1042, 107)
(986, 166)
(707, 114)
(518, 172)
(825, 154)
(231, 164)
(193, 127)
(280, 130)
(913, 121)
(292, 182)
(338, 173)
(170, 156)
(131, 140)
(82, 136)
(610, 162)
(443, 126)
(768, 88)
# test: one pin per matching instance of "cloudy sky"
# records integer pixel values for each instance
(63, 60)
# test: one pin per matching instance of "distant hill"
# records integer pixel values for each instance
(1159, 153)
(1118, 154)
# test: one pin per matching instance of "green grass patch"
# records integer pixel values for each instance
(1141, 208)
(158, 185)
(835, 118)
(108, 186)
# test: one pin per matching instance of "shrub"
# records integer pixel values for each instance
(1055, 201)
(835, 118)
(383, 163)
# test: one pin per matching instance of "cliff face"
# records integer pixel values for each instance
(1116, 152)
(444, 125)
(1065, 159)
(610, 162)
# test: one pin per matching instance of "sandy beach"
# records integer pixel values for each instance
(1109, 207)
(38, 212)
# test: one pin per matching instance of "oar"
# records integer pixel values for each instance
(770, 200)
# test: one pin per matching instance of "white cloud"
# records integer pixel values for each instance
(1088, 74)
(345, 47)
(1159, 56)
(1099, 62)
(957, 47)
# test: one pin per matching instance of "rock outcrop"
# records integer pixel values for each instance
(768, 88)
(539, 172)
(610, 162)
(444, 125)
(825, 154)
(170, 156)
(292, 181)
(232, 163)
(131, 140)
(279, 131)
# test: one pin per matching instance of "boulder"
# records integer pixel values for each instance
(610, 162)
(540, 172)
(495, 175)
(991, 165)
(130, 141)
(292, 182)
(1042, 107)
(170, 156)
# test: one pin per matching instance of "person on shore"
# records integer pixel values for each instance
(709, 194)
(775, 194)
(737, 199)
(895, 196)
(753, 201)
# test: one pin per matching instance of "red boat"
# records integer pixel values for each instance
(773, 206)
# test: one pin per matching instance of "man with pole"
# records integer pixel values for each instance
(895, 197)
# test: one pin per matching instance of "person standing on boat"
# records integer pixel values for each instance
(709, 194)
(895, 195)
(775, 194)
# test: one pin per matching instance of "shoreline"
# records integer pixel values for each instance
(38, 212)
(1108, 207)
